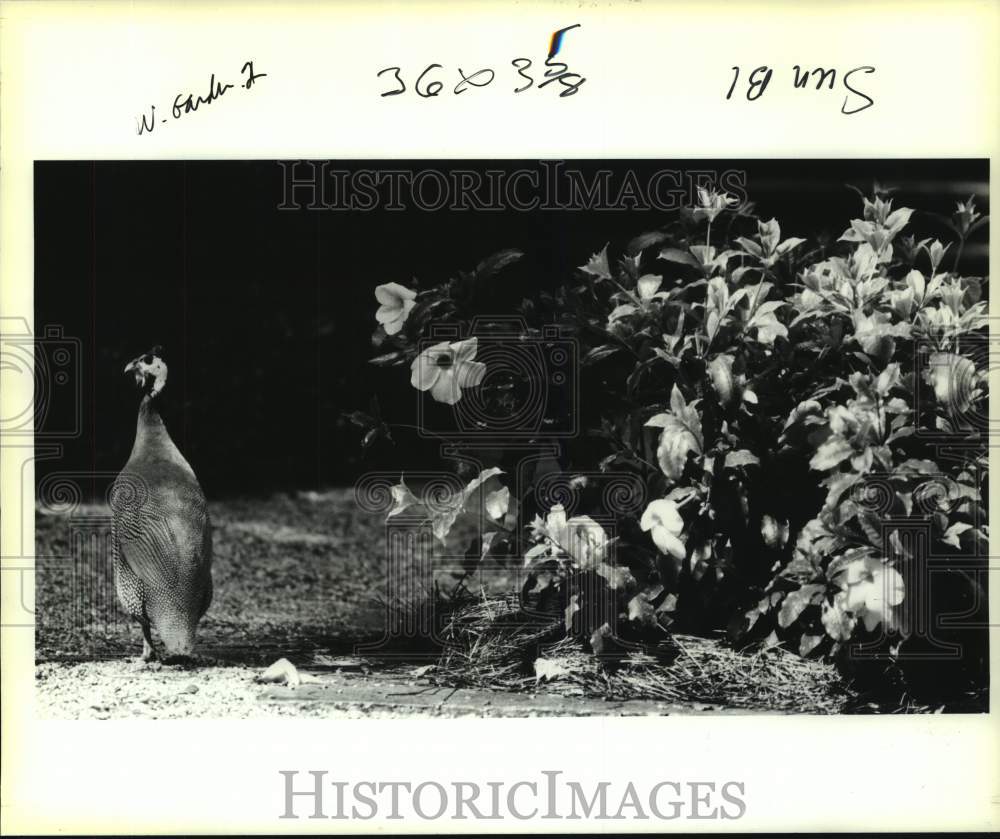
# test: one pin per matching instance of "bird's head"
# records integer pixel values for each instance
(149, 370)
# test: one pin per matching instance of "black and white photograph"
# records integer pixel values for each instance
(509, 438)
(551, 417)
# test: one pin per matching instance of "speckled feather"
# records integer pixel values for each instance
(162, 537)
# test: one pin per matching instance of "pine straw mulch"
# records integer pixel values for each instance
(490, 643)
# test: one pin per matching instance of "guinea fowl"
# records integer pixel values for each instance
(162, 536)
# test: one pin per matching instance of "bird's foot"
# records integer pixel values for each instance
(148, 652)
(180, 660)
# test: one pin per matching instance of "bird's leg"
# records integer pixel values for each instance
(148, 650)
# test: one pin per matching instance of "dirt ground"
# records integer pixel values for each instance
(299, 577)
(292, 574)
(122, 689)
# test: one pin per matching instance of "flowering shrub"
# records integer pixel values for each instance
(806, 427)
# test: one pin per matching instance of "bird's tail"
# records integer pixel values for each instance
(178, 635)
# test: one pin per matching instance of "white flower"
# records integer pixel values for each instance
(397, 301)
(555, 526)
(445, 369)
(665, 523)
(587, 542)
(580, 539)
(648, 287)
(402, 498)
(711, 203)
(773, 532)
(869, 590)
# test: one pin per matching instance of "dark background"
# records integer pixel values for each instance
(266, 315)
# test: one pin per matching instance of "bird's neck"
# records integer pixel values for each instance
(152, 441)
(150, 431)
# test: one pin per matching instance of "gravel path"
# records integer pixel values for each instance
(296, 577)
(125, 689)
(129, 690)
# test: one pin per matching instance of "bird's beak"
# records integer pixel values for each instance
(133, 368)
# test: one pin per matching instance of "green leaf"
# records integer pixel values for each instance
(897, 220)
(442, 523)
(497, 502)
(360, 418)
(795, 603)
(676, 442)
(769, 233)
(677, 403)
(648, 285)
(712, 324)
(681, 435)
(953, 378)
(602, 639)
(679, 256)
(542, 550)
(494, 264)
(486, 544)
(643, 241)
(837, 484)
(787, 245)
(952, 534)
(598, 266)
(617, 576)
(632, 382)
(839, 624)
(480, 479)
(600, 353)
(571, 609)
(887, 380)
(750, 247)
(621, 311)
(720, 370)
(389, 359)
(741, 457)
(832, 452)
(402, 499)
(641, 611)
(767, 308)
(660, 420)
(445, 519)
(808, 643)
(914, 466)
